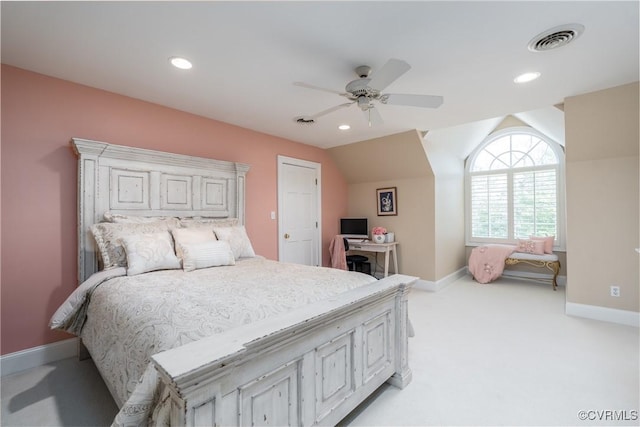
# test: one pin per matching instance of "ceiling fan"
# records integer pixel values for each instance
(365, 90)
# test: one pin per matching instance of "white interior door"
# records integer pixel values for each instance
(299, 211)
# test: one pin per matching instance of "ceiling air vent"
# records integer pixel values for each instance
(304, 120)
(555, 37)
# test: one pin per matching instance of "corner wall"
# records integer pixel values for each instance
(395, 161)
(602, 178)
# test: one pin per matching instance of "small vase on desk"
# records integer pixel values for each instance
(378, 238)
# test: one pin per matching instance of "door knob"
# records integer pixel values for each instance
(286, 235)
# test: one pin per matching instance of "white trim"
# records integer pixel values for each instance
(38, 356)
(282, 160)
(606, 314)
(427, 285)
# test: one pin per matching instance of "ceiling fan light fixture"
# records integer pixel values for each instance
(527, 77)
(182, 63)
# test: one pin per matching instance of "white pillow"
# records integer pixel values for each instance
(187, 236)
(237, 238)
(108, 237)
(149, 252)
(206, 254)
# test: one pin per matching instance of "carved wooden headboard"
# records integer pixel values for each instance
(135, 181)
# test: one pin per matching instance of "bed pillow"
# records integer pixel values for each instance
(535, 247)
(149, 252)
(208, 222)
(132, 219)
(548, 242)
(214, 253)
(187, 236)
(238, 240)
(108, 237)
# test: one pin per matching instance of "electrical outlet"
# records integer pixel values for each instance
(615, 291)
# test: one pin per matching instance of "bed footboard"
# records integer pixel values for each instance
(311, 366)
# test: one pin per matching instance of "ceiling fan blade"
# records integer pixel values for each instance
(330, 110)
(308, 86)
(426, 101)
(373, 117)
(389, 72)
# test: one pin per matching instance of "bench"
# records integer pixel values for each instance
(548, 261)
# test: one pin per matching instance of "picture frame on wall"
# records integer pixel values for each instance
(387, 201)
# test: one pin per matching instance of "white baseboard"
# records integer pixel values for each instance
(38, 356)
(427, 285)
(606, 314)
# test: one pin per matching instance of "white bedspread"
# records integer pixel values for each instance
(130, 318)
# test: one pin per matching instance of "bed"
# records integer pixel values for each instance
(245, 341)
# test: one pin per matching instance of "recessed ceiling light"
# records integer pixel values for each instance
(183, 64)
(344, 127)
(526, 77)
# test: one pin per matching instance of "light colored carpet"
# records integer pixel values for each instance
(498, 354)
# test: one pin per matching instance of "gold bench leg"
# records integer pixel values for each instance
(554, 266)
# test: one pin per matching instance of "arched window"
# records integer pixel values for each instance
(514, 188)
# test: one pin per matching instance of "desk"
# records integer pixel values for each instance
(386, 248)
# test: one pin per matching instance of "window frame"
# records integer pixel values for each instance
(558, 149)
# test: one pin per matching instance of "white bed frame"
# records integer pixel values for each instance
(311, 366)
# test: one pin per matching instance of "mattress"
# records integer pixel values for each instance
(130, 318)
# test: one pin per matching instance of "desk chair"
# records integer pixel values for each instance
(356, 262)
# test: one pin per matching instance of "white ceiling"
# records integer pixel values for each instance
(247, 55)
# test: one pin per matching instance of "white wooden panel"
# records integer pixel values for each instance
(134, 181)
(214, 194)
(376, 345)
(176, 192)
(334, 374)
(204, 414)
(271, 400)
(129, 189)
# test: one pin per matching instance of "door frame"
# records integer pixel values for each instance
(284, 160)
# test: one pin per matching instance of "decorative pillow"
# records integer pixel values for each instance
(238, 239)
(187, 236)
(132, 219)
(149, 252)
(207, 254)
(548, 242)
(208, 222)
(108, 235)
(531, 246)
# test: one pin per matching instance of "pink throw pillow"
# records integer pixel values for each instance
(548, 242)
(531, 246)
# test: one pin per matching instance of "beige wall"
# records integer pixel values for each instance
(449, 223)
(395, 161)
(602, 179)
(413, 226)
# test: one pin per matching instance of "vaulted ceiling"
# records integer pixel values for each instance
(247, 55)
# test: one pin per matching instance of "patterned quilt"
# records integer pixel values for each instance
(130, 318)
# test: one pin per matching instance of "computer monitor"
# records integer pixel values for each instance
(357, 228)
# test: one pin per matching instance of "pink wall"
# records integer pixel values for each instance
(40, 115)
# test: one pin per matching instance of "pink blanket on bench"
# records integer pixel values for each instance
(486, 263)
